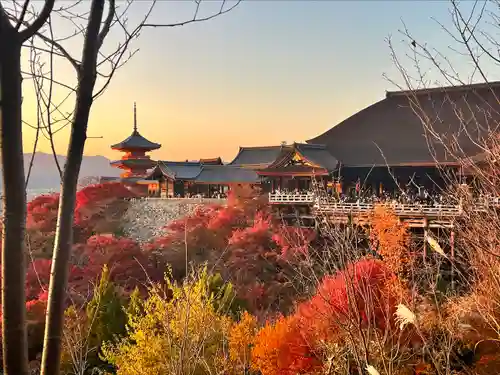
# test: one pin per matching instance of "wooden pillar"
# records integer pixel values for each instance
(426, 233)
(452, 258)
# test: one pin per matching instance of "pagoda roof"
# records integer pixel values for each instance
(391, 131)
(260, 156)
(225, 174)
(136, 142)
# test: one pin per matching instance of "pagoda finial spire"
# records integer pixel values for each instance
(135, 118)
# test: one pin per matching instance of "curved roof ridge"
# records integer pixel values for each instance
(211, 161)
(311, 145)
(163, 167)
(442, 89)
(180, 162)
(256, 155)
(259, 147)
(390, 132)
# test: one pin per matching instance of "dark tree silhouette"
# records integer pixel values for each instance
(93, 21)
(15, 351)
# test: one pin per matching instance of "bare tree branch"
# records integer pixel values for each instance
(207, 18)
(107, 23)
(23, 14)
(39, 21)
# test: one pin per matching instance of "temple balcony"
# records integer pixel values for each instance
(291, 198)
(409, 210)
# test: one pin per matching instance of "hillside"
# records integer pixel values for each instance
(44, 174)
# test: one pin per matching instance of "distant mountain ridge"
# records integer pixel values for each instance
(44, 174)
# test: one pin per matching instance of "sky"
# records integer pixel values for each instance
(268, 71)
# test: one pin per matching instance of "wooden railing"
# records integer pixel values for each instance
(399, 209)
(326, 205)
(291, 198)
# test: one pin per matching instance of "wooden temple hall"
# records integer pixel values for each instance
(381, 149)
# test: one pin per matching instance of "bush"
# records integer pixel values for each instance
(182, 333)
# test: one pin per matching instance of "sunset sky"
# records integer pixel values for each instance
(267, 72)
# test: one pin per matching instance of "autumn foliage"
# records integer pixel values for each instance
(238, 292)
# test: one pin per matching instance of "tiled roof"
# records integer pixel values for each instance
(317, 154)
(182, 170)
(314, 153)
(226, 174)
(390, 131)
(256, 156)
(136, 142)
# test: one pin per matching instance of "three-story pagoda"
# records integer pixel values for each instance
(135, 162)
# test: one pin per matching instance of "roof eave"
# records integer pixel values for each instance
(122, 147)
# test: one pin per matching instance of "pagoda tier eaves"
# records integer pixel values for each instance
(136, 142)
(133, 163)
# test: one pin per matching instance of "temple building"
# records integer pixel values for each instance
(288, 167)
(206, 177)
(387, 146)
(383, 148)
(134, 163)
(285, 167)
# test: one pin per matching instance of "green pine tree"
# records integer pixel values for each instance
(106, 316)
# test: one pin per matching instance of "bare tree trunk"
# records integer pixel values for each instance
(15, 352)
(64, 231)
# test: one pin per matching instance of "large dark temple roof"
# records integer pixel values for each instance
(391, 132)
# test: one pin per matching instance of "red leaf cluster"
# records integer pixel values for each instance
(129, 266)
(355, 294)
(42, 213)
(294, 240)
(354, 297)
(281, 349)
(37, 278)
(93, 200)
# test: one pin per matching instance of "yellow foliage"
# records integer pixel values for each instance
(241, 341)
(390, 237)
(183, 334)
